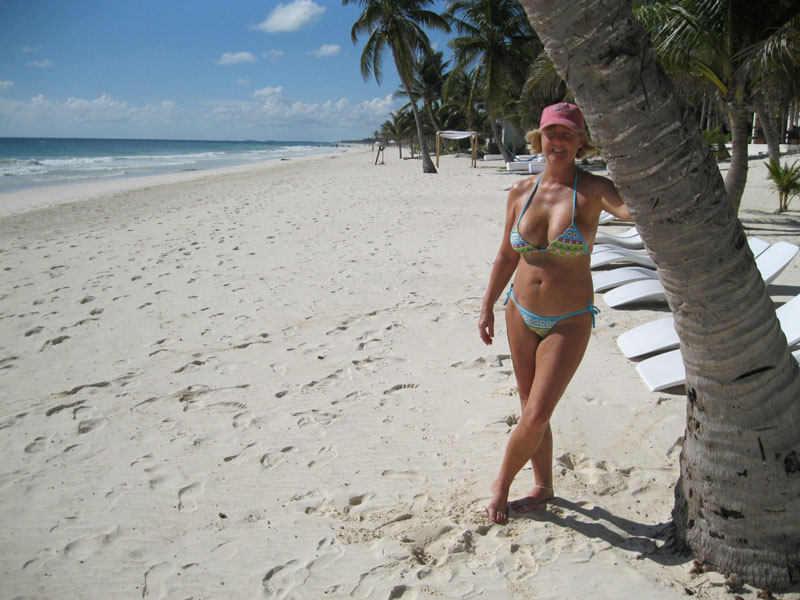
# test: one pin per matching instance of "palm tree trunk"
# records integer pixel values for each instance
(738, 496)
(770, 127)
(432, 116)
(498, 134)
(427, 163)
(736, 178)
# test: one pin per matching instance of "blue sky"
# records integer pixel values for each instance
(188, 69)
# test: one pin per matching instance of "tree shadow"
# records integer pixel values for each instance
(783, 290)
(654, 542)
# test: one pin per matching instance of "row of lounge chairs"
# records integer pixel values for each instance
(639, 284)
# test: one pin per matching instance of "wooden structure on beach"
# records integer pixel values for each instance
(458, 135)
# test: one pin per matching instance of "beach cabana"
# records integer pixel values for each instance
(459, 135)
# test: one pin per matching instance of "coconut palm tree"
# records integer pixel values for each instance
(738, 496)
(495, 36)
(717, 40)
(429, 74)
(398, 26)
(777, 62)
(395, 129)
(458, 95)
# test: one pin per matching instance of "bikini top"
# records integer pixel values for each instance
(569, 243)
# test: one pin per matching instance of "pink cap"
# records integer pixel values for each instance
(562, 113)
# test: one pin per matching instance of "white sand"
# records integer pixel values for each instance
(268, 383)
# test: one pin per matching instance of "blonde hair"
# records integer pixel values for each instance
(534, 139)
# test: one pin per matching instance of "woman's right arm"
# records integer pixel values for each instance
(504, 266)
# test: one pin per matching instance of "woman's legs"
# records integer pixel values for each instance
(543, 368)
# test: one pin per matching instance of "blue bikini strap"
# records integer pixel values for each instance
(574, 196)
(528, 203)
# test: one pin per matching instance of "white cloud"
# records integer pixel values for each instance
(104, 108)
(268, 113)
(243, 82)
(28, 49)
(268, 92)
(40, 64)
(327, 50)
(291, 17)
(235, 58)
(273, 54)
(6, 85)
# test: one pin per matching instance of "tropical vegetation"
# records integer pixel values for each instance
(786, 181)
(736, 66)
(397, 26)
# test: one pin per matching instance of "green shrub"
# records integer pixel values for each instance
(785, 180)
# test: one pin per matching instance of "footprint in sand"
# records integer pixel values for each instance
(314, 417)
(8, 362)
(55, 341)
(34, 331)
(324, 455)
(188, 496)
(35, 563)
(281, 579)
(89, 545)
(160, 476)
(251, 450)
(116, 493)
(602, 478)
(154, 579)
(243, 420)
(37, 445)
(270, 460)
(367, 582)
(399, 387)
(13, 420)
(89, 425)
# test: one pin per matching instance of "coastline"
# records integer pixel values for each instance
(266, 381)
(46, 195)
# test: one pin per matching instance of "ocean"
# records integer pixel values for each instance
(37, 162)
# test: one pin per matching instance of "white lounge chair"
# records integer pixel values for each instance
(536, 167)
(667, 370)
(628, 233)
(629, 239)
(648, 290)
(620, 255)
(660, 335)
(605, 280)
(769, 263)
(663, 371)
(606, 217)
(598, 248)
(655, 336)
(757, 246)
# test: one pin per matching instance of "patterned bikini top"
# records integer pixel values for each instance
(569, 243)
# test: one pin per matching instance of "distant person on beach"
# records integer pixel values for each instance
(551, 223)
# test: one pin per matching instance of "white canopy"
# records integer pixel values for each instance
(458, 135)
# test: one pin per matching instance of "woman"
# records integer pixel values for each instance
(551, 223)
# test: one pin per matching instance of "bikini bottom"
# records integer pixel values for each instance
(541, 326)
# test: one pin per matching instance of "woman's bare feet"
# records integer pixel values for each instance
(539, 495)
(498, 506)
